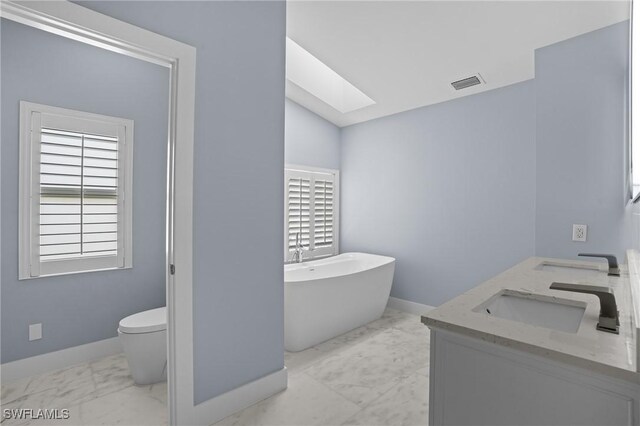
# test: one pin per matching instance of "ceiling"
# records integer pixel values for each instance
(404, 55)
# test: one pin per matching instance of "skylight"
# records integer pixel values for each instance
(312, 75)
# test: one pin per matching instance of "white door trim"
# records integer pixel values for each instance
(81, 24)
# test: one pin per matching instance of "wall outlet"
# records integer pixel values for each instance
(35, 331)
(579, 232)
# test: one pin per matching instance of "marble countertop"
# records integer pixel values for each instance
(615, 355)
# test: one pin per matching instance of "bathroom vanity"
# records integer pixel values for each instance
(512, 351)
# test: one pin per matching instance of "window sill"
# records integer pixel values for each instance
(115, 268)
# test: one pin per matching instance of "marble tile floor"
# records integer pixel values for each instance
(96, 393)
(374, 375)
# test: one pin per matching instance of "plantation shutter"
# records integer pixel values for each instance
(323, 212)
(79, 215)
(299, 210)
(310, 212)
(78, 195)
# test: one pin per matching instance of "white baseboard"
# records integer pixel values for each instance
(32, 366)
(408, 306)
(231, 402)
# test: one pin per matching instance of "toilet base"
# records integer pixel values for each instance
(146, 355)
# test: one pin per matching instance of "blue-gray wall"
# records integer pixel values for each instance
(581, 87)
(461, 190)
(83, 308)
(448, 190)
(309, 139)
(239, 194)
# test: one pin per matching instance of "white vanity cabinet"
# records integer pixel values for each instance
(473, 382)
(525, 366)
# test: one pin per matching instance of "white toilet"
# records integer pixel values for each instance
(144, 339)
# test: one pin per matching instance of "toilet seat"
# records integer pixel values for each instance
(144, 322)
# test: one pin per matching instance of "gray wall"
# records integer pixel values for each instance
(309, 139)
(77, 309)
(448, 190)
(459, 191)
(239, 196)
(580, 155)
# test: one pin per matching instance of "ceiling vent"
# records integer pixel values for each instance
(467, 82)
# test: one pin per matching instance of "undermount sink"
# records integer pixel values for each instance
(535, 309)
(576, 271)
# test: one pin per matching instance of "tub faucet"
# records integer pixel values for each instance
(299, 250)
(609, 320)
(614, 270)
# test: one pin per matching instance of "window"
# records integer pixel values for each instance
(75, 191)
(311, 211)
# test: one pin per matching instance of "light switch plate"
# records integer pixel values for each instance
(35, 331)
(579, 232)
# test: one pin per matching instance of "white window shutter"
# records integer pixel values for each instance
(299, 210)
(78, 195)
(75, 191)
(323, 213)
(311, 207)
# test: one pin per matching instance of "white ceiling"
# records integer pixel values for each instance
(404, 55)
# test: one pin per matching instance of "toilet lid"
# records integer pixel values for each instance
(145, 322)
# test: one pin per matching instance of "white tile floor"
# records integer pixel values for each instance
(374, 375)
(97, 393)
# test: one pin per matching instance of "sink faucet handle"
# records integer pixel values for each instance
(609, 317)
(614, 269)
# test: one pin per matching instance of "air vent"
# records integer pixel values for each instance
(467, 82)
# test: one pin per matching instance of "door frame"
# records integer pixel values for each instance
(84, 25)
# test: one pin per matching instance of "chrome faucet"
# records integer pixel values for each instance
(609, 320)
(614, 269)
(299, 250)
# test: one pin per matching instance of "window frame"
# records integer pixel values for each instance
(323, 252)
(33, 117)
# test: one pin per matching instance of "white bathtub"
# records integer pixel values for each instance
(328, 297)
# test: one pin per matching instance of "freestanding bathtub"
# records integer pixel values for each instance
(328, 297)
